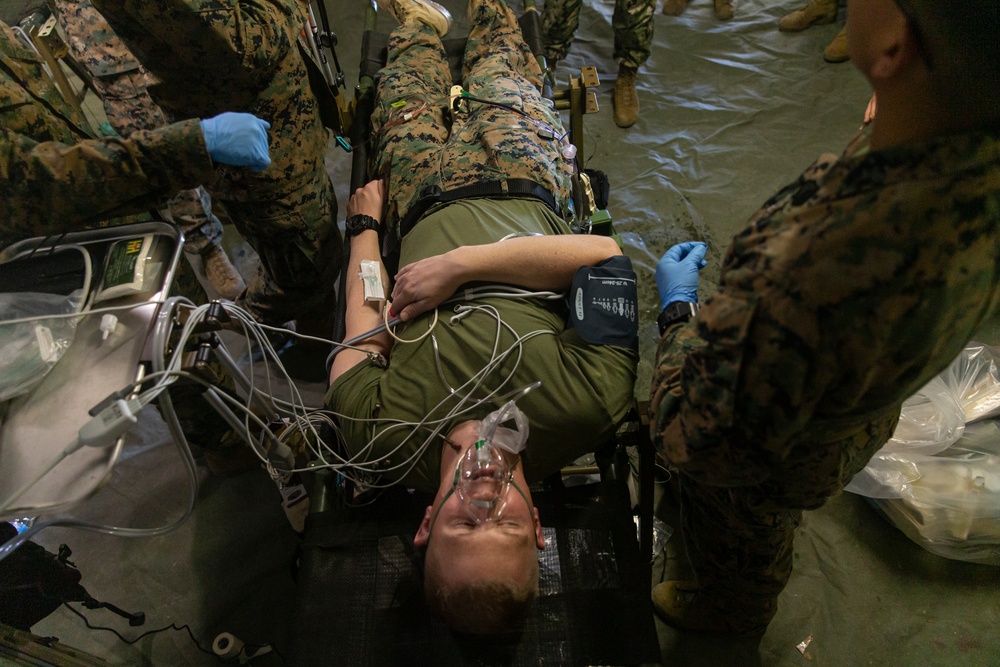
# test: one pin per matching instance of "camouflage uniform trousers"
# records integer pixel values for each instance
(296, 237)
(632, 22)
(120, 82)
(481, 142)
(740, 538)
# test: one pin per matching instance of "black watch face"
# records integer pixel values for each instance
(359, 223)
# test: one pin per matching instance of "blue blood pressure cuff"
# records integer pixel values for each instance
(604, 304)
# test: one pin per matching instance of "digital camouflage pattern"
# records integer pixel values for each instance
(55, 177)
(120, 82)
(480, 142)
(846, 293)
(632, 23)
(226, 55)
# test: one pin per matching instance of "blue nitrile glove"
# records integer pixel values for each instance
(239, 139)
(677, 272)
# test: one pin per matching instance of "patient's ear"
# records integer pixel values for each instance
(539, 536)
(424, 531)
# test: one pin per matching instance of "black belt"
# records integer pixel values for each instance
(512, 187)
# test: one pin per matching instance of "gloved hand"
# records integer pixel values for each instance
(239, 139)
(677, 272)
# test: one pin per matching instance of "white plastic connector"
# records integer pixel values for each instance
(108, 325)
(109, 424)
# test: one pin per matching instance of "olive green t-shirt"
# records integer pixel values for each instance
(586, 389)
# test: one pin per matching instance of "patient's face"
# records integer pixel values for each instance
(507, 544)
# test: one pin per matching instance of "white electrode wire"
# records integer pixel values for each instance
(358, 460)
(470, 294)
(252, 331)
(391, 332)
(438, 423)
(459, 408)
(303, 419)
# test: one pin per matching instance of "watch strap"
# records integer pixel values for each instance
(676, 311)
(359, 223)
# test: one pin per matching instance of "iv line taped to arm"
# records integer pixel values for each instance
(371, 277)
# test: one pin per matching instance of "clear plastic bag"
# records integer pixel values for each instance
(975, 380)
(952, 507)
(29, 349)
(938, 478)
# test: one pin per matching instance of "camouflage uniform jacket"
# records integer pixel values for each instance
(52, 173)
(847, 292)
(210, 56)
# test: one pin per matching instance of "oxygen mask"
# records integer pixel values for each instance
(484, 474)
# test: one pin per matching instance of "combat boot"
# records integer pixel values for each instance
(674, 7)
(221, 274)
(836, 51)
(626, 99)
(680, 605)
(427, 12)
(723, 9)
(815, 13)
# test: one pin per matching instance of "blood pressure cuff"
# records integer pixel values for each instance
(604, 303)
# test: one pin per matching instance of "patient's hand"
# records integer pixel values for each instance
(423, 285)
(368, 200)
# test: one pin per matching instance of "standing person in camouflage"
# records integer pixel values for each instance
(633, 28)
(246, 55)
(849, 290)
(818, 12)
(496, 159)
(57, 177)
(120, 82)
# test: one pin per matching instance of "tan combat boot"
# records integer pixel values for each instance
(723, 9)
(674, 7)
(626, 99)
(815, 13)
(427, 12)
(222, 276)
(680, 605)
(836, 51)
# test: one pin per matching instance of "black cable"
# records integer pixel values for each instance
(172, 626)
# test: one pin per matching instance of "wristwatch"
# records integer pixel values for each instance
(359, 223)
(676, 311)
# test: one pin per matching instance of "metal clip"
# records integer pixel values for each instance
(455, 99)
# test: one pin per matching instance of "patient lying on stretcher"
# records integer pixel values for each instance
(449, 400)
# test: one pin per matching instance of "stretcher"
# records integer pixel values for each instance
(360, 598)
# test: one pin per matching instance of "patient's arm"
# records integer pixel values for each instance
(534, 262)
(360, 315)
